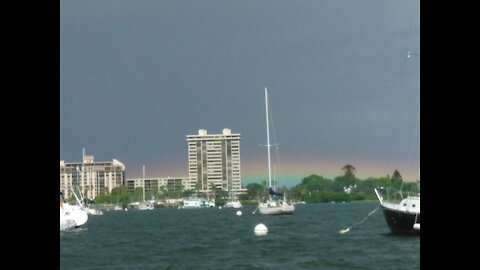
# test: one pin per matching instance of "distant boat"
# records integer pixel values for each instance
(276, 204)
(71, 216)
(83, 199)
(402, 217)
(195, 202)
(92, 211)
(233, 204)
(301, 202)
(86, 207)
(144, 205)
(233, 201)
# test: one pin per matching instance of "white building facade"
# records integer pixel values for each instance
(157, 184)
(93, 178)
(214, 159)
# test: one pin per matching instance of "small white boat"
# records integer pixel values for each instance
(233, 204)
(71, 216)
(145, 206)
(233, 201)
(195, 202)
(275, 207)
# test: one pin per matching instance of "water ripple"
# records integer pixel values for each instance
(170, 238)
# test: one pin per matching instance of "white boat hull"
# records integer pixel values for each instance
(145, 207)
(72, 216)
(282, 209)
(233, 204)
(193, 203)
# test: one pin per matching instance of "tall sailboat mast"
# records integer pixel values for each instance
(83, 175)
(272, 206)
(268, 140)
(143, 182)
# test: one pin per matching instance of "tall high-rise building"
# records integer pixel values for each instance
(214, 159)
(93, 178)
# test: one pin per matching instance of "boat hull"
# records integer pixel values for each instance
(72, 216)
(276, 210)
(194, 203)
(233, 204)
(401, 222)
(195, 207)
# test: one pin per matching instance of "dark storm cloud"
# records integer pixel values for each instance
(138, 76)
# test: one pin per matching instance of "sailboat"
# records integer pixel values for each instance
(276, 204)
(402, 217)
(91, 210)
(233, 202)
(71, 215)
(144, 205)
(85, 205)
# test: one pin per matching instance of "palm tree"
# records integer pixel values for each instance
(396, 176)
(213, 190)
(397, 180)
(349, 171)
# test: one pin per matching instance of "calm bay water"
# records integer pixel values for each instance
(170, 238)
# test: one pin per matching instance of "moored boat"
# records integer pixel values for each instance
(276, 203)
(196, 202)
(233, 204)
(402, 217)
(71, 216)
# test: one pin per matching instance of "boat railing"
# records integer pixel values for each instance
(390, 195)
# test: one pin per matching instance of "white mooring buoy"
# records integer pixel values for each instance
(416, 226)
(239, 213)
(260, 229)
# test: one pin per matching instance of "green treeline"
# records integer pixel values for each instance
(122, 196)
(315, 188)
(312, 189)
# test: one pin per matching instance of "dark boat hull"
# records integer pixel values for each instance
(401, 222)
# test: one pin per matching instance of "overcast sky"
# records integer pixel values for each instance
(138, 76)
